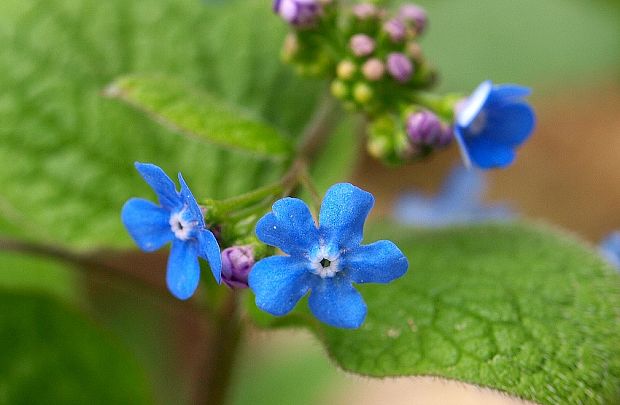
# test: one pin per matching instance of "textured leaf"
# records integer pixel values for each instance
(67, 153)
(50, 354)
(195, 113)
(522, 310)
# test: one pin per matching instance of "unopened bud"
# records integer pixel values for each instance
(399, 66)
(299, 13)
(415, 14)
(396, 29)
(373, 69)
(414, 50)
(339, 89)
(362, 45)
(362, 93)
(425, 128)
(345, 70)
(365, 11)
(237, 261)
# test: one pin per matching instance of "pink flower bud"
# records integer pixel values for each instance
(373, 69)
(362, 45)
(399, 66)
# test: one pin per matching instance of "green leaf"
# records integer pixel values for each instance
(519, 309)
(22, 272)
(76, 148)
(51, 354)
(195, 113)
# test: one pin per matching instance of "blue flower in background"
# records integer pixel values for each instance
(491, 123)
(177, 219)
(610, 249)
(324, 260)
(458, 202)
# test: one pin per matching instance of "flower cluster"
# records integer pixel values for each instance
(376, 66)
(326, 260)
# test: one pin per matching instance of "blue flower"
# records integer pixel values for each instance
(458, 202)
(178, 219)
(610, 249)
(324, 260)
(491, 123)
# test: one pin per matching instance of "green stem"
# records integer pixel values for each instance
(442, 105)
(224, 342)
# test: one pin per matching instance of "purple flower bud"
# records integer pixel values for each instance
(399, 66)
(415, 14)
(237, 261)
(396, 29)
(365, 11)
(362, 45)
(425, 128)
(373, 69)
(300, 13)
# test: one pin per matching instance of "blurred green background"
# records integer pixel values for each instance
(66, 159)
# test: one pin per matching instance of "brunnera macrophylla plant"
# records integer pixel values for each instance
(274, 246)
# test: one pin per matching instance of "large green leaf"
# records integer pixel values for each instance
(67, 153)
(526, 311)
(199, 114)
(51, 354)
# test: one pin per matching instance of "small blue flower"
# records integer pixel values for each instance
(178, 219)
(458, 202)
(610, 249)
(324, 260)
(491, 123)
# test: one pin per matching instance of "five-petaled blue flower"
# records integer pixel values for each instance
(178, 220)
(610, 249)
(491, 123)
(324, 260)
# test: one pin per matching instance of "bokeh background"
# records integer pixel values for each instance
(56, 57)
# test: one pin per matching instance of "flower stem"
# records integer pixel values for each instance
(213, 383)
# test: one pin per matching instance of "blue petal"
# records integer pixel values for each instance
(183, 272)
(379, 262)
(462, 188)
(343, 213)
(161, 184)
(147, 223)
(209, 250)
(610, 249)
(463, 147)
(279, 282)
(335, 302)
(474, 104)
(487, 155)
(508, 93)
(191, 203)
(510, 124)
(289, 226)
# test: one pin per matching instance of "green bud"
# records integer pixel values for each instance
(378, 147)
(345, 70)
(339, 89)
(362, 93)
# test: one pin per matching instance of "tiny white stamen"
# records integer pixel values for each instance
(181, 227)
(325, 263)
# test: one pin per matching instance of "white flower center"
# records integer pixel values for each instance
(181, 227)
(325, 263)
(478, 123)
